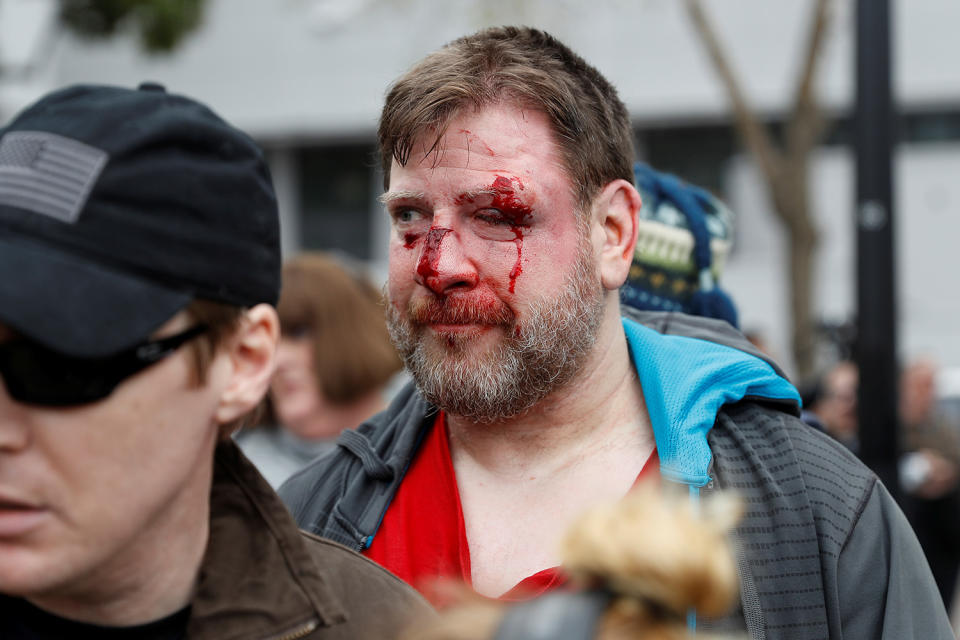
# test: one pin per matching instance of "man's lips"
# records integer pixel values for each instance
(10, 500)
(18, 516)
(457, 314)
(460, 327)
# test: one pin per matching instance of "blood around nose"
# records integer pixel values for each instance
(430, 256)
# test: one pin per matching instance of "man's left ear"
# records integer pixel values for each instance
(616, 209)
(251, 351)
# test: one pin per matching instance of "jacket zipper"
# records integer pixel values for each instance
(749, 602)
(300, 632)
(695, 494)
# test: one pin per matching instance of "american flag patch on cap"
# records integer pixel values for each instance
(48, 174)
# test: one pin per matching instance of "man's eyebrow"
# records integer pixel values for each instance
(473, 194)
(390, 196)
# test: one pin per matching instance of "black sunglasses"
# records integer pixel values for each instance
(34, 374)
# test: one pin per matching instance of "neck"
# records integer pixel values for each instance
(154, 576)
(327, 423)
(602, 407)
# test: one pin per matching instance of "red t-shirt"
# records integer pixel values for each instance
(423, 536)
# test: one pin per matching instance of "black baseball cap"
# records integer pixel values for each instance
(118, 207)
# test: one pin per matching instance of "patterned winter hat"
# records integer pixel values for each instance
(685, 235)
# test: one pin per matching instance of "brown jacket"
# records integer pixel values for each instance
(263, 579)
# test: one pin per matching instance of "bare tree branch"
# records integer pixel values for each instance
(751, 129)
(805, 126)
(784, 167)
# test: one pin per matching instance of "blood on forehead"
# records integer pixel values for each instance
(473, 138)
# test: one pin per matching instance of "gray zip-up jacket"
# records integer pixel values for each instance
(824, 552)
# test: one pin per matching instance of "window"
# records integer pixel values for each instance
(336, 198)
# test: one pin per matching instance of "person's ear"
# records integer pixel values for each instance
(615, 212)
(252, 354)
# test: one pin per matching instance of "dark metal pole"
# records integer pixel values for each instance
(876, 299)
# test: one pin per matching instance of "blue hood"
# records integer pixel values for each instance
(685, 381)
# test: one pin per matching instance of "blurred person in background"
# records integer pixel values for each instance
(508, 170)
(809, 393)
(758, 339)
(684, 235)
(335, 365)
(834, 403)
(930, 473)
(631, 581)
(929, 465)
(139, 247)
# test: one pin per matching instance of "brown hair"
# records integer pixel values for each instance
(343, 315)
(531, 68)
(221, 321)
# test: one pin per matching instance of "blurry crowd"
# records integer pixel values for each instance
(929, 465)
(336, 366)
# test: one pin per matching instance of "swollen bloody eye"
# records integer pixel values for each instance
(493, 217)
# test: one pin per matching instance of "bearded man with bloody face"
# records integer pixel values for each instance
(508, 182)
(440, 340)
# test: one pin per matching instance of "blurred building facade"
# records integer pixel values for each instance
(306, 78)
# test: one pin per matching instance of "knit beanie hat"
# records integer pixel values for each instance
(685, 235)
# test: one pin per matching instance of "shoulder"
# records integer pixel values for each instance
(367, 462)
(313, 486)
(766, 422)
(839, 485)
(712, 330)
(373, 603)
(835, 484)
(803, 496)
(362, 586)
(767, 425)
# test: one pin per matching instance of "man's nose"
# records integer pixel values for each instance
(444, 264)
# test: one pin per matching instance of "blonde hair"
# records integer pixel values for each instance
(656, 555)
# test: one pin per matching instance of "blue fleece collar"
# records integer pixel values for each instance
(685, 381)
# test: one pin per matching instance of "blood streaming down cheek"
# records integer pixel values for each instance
(517, 214)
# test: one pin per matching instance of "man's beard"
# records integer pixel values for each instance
(534, 358)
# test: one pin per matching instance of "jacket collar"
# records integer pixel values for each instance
(685, 382)
(258, 578)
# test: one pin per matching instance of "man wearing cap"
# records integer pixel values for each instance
(508, 166)
(139, 263)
